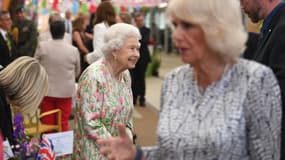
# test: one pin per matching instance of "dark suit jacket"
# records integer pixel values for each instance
(251, 45)
(5, 118)
(6, 56)
(28, 37)
(144, 51)
(271, 52)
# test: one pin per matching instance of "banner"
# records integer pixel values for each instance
(5, 4)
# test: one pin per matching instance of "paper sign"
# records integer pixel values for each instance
(7, 150)
(62, 142)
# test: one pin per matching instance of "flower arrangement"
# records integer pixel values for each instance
(25, 147)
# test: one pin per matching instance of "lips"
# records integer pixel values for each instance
(183, 50)
(133, 59)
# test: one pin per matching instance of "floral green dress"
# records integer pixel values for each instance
(102, 103)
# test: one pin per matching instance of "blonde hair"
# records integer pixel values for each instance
(25, 83)
(221, 20)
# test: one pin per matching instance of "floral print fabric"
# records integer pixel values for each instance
(102, 103)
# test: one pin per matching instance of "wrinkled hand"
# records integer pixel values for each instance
(118, 148)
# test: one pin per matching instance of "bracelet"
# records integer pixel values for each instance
(139, 153)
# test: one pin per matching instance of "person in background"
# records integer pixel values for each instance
(1, 147)
(62, 63)
(28, 34)
(251, 45)
(271, 45)
(68, 22)
(124, 17)
(89, 43)
(104, 18)
(89, 28)
(80, 39)
(23, 84)
(138, 73)
(217, 106)
(104, 95)
(7, 44)
(46, 36)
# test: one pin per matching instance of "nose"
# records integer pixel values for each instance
(177, 34)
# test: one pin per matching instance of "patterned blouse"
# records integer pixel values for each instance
(102, 103)
(236, 118)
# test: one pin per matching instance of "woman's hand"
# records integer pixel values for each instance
(118, 148)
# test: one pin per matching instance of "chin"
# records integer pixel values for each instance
(185, 60)
(131, 66)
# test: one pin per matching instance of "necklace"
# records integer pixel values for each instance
(201, 90)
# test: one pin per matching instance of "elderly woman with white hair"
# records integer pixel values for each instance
(217, 106)
(104, 97)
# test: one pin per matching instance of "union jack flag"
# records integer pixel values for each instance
(46, 151)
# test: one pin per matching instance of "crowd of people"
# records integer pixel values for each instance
(217, 105)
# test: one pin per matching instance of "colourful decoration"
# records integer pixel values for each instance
(45, 11)
(5, 4)
(44, 3)
(137, 9)
(84, 8)
(54, 6)
(123, 9)
(75, 7)
(92, 8)
(46, 151)
(117, 9)
(34, 2)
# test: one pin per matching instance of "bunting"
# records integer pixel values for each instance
(44, 3)
(5, 4)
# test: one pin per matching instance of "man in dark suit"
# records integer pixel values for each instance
(7, 45)
(138, 73)
(271, 45)
(28, 34)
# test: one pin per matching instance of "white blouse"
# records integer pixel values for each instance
(98, 42)
(237, 117)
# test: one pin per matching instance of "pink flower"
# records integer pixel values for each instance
(95, 137)
(92, 106)
(97, 95)
(113, 124)
(94, 116)
(121, 100)
(114, 111)
(102, 114)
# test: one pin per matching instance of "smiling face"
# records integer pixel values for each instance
(5, 22)
(128, 55)
(189, 40)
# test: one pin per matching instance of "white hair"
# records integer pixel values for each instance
(116, 35)
(221, 20)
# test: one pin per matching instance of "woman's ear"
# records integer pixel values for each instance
(115, 54)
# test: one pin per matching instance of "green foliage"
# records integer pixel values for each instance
(153, 66)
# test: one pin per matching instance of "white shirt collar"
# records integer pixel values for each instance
(3, 32)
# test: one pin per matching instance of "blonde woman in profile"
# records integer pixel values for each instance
(217, 106)
(23, 83)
